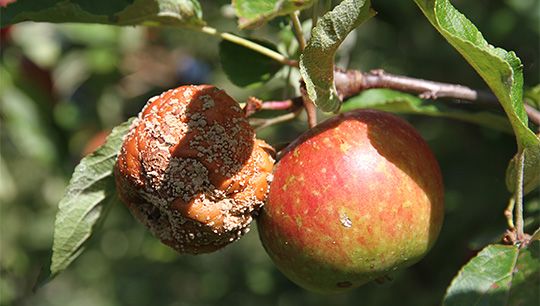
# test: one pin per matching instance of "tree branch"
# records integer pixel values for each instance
(352, 82)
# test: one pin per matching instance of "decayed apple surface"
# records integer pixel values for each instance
(358, 196)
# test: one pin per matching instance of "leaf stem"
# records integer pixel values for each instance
(298, 30)
(519, 196)
(249, 44)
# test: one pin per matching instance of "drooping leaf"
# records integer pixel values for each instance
(253, 13)
(178, 13)
(399, 102)
(500, 69)
(245, 67)
(317, 61)
(89, 194)
(498, 275)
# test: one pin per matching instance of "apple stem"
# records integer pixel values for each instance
(310, 107)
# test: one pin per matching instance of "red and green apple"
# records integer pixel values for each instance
(356, 197)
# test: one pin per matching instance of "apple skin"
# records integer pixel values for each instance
(356, 197)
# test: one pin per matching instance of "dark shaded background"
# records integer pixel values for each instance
(63, 87)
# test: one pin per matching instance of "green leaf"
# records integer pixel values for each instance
(246, 67)
(253, 13)
(317, 61)
(526, 280)
(498, 275)
(178, 13)
(500, 69)
(90, 193)
(399, 102)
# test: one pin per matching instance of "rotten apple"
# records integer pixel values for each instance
(192, 171)
(358, 196)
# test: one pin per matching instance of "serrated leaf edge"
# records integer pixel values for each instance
(65, 205)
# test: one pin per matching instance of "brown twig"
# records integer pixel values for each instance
(352, 82)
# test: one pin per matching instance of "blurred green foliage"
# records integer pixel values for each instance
(63, 87)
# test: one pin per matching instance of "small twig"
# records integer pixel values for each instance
(293, 108)
(509, 214)
(277, 105)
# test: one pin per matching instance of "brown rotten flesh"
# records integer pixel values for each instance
(192, 171)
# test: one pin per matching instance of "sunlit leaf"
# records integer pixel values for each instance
(500, 69)
(498, 275)
(317, 61)
(86, 200)
(245, 67)
(399, 102)
(179, 13)
(252, 13)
